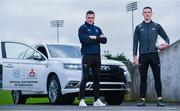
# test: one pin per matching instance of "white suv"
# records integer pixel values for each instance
(54, 70)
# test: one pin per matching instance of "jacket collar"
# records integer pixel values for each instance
(89, 24)
(147, 23)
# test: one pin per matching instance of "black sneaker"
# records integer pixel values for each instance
(141, 103)
(160, 103)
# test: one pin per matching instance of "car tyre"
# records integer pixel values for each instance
(114, 98)
(54, 90)
(18, 98)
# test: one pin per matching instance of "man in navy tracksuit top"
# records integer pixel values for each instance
(90, 37)
(146, 35)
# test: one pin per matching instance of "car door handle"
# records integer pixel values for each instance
(9, 66)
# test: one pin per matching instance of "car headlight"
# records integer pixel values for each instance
(73, 66)
(126, 73)
(124, 68)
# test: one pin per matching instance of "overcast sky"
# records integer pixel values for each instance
(28, 21)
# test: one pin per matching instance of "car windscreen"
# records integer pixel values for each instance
(64, 51)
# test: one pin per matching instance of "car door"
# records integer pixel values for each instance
(0, 75)
(23, 67)
(0, 66)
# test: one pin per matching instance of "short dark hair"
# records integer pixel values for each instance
(89, 12)
(147, 8)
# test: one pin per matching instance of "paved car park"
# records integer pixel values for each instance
(124, 107)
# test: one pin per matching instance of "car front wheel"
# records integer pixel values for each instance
(114, 98)
(54, 90)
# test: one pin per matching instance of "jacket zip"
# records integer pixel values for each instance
(147, 37)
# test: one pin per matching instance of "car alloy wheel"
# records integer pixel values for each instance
(53, 90)
(16, 95)
(18, 98)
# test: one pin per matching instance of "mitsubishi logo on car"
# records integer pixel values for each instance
(32, 73)
(105, 68)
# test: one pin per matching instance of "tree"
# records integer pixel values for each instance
(119, 57)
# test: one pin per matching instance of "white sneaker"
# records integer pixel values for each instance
(98, 102)
(82, 103)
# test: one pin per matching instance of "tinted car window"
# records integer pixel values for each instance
(64, 51)
(42, 50)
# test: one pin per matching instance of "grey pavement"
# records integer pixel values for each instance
(123, 107)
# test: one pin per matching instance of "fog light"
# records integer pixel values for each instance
(72, 84)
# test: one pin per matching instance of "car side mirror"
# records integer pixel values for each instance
(37, 56)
